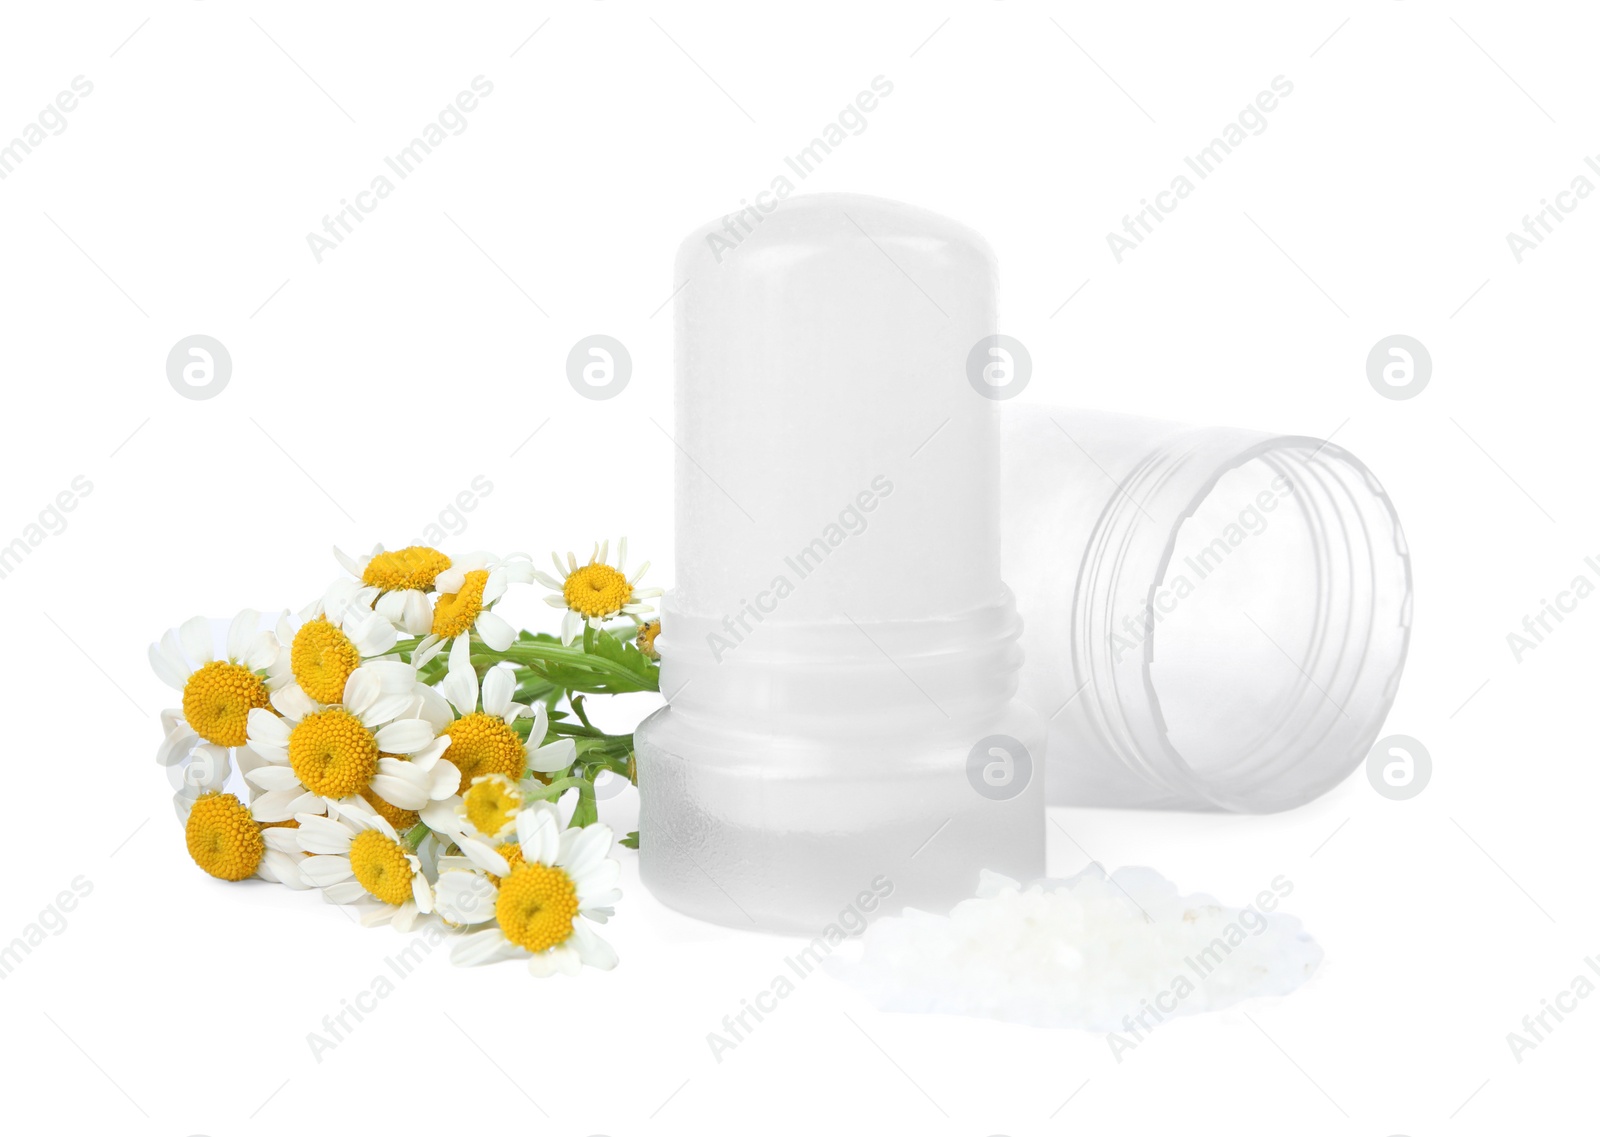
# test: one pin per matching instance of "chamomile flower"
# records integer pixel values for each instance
(596, 592)
(357, 858)
(482, 738)
(646, 641)
(332, 640)
(489, 807)
(560, 882)
(217, 694)
(229, 844)
(396, 584)
(468, 591)
(373, 740)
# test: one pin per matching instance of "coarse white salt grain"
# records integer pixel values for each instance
(1092, 951)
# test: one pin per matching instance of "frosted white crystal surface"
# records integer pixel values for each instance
(1094, 951)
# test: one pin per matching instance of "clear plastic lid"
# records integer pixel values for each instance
(1213, 618)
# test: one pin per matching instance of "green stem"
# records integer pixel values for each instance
(533, 653)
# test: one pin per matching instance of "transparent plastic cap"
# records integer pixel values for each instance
(1214, 618)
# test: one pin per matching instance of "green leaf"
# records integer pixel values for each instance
(625, 654)
(631, 841)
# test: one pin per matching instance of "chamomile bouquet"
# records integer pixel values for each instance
(406, 752)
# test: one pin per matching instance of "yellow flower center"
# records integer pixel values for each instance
(401, 819)
(222, 838)
(491, 805)
(483, 744)
(381, 866)
(454, 612)
(596, 590)
(332, 754)
(413, 567)
(537, 906)
(647, 638)
(218, 698)
(323, 659)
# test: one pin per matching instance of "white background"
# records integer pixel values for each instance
(369, 389)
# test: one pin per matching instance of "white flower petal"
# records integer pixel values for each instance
(293, 703)
(281, 805)
(345, 892)
(418, 613)
(464, 897)
(495, 587)
(460, 684)
(486, 946)
(262, 652)
(395, 677)
(539, 833)
(361, 691)
(169, 672)
(494, 631)
(386, 709)
(264, 727)
(591, 949)
(246, 626)
(282, 867)
(270, 777)
(323, 870)
(405, 735)
(195, 634)
(429, 755)
(499, 685)
(398, 792)
(557, 755)
(441, 815)
(350, 565)
(443, 780)
(283, 839)
(322, 834)
(483, 856)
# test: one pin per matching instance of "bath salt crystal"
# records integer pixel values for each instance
(1092, 951)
